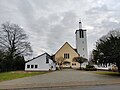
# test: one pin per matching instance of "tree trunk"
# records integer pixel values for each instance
(80, 66)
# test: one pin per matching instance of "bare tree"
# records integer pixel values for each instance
(80, 60)
(13, 40)
(59, 62)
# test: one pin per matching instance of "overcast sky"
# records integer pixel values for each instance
(51, 23)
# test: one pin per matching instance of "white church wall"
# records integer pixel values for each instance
(41, 64)
(52, 64)
(81, 44)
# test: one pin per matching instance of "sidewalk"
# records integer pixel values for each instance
(63, 78)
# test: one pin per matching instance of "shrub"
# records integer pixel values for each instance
(90, 68)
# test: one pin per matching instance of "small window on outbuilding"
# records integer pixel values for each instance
(36, 66)
(47, 59)
(28, 66)
(32, 66)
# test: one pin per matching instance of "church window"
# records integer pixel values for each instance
(81, 34)
(73, 64)
(47, 59)
(66, 55)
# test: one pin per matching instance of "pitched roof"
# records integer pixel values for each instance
(69, 45)
(38, 57)
(75, 50)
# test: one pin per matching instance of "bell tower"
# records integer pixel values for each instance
(81, 41)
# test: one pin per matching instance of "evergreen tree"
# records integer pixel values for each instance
(109, 46)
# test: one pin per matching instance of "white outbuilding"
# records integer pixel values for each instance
(42, 62)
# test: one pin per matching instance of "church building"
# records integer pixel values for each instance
(67, 53)
(64, 57)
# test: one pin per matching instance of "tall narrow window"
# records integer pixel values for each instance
(47, 59)
(68, 55)
(64, 55)
(81, 34)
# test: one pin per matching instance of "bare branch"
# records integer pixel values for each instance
(13, 39)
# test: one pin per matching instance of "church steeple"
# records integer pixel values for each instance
(81, 41)
(80, 24)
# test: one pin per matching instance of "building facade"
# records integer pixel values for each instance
(41, 63)
(65, 56)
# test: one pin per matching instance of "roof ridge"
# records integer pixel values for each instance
(63, 46)
(37, 57)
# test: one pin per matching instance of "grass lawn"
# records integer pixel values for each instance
(17, 74)
(108, 73)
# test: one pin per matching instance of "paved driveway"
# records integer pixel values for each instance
(103, 87)
(60, 78)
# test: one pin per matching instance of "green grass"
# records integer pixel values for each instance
(108, 73)
(17, 74)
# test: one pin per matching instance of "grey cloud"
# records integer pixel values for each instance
(26, 10)
(61, 32)
(98, 10)
(102, 18)
(110, 25)
(50, 23)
